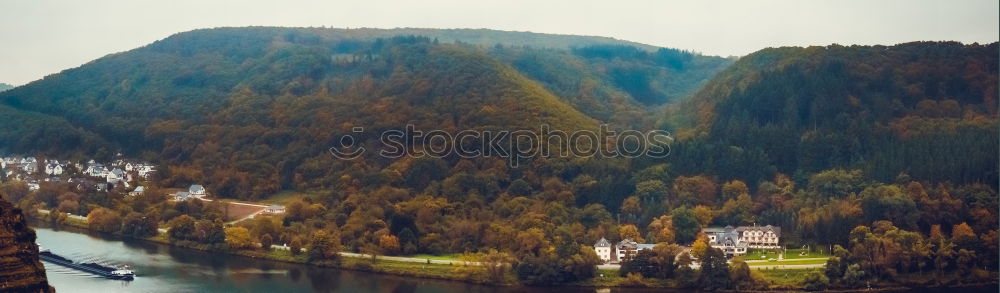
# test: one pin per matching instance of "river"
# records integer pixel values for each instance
(162, 268)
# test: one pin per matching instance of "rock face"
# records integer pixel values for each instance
(20, 269)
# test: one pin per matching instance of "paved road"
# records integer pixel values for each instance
(789, 267)
(788, 259)
(406, 259)
(71, 216)
(250, 216)
(753, 265)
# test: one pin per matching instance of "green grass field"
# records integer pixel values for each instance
(283, 197)
(786, 278)
(797, 253)
(788, 262)
(760, 254)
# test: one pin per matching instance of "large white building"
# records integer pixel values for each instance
(736, 241)
(603, 249)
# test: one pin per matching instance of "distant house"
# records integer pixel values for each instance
(53, 169)
(145, 171)
(182, 196)
(274, 209)
(8, 161)
(138, 191)
(96, 170)
(197, 190)
(603, 249)
(115, 175)
(33, 186)
(29, 165)
(628, 248)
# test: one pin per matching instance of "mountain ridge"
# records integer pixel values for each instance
(871, 107)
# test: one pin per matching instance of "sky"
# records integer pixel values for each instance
(42, 37)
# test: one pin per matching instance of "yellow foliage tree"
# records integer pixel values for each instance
(703, 214)
(238, 238)
(389, 244)
(630, 232)
(700, 247)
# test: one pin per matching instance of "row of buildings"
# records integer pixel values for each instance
(85, 175)
(93, 175)
(731, 240)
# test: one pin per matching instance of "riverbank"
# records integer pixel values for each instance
(777, 279)
(432, 269)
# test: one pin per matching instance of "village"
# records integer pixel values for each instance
(120, 173)
(126, 176)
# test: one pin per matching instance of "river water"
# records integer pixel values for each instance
(162, 268)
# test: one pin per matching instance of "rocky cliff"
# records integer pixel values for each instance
(20, 269)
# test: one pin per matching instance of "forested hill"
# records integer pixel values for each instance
(4, 86)
(926, 109)
(240, 105)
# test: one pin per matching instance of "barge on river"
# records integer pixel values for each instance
(114, 273)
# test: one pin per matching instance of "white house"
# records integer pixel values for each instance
(274, 209)
(628, 248)
(8, 161)
(145, 171)
(115, 175)
(29, 166)
(182, 196)
(197, 190)
(53, 169)
(603, 249)
(96, 170)
(138, 191)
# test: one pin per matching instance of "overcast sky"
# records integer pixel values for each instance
(41, 37)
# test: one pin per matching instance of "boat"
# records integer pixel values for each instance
(114, 273)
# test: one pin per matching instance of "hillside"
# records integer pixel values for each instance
(4, 86)
(910, 108)
(240, 105)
